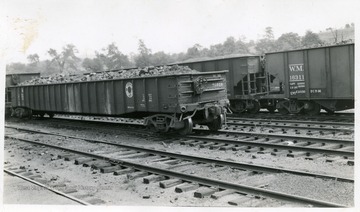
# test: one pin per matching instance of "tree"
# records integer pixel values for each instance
(33, 59)
(288, 41)
(111, 58)
(143, 59)
(160, 58)
(16, 68)
(269, 34)
(215, 50)
(267, 43)
(311, 39)
(229, 46)
(93, 65)
(66, 60)
(241, 46)
(194, 52)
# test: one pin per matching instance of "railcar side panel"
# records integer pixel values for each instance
(151, 94)
(140, 92)
(52, 103)
(275, 66)
(210, 66)
(225, 65)
(340, 60)
(317, 61)
(197, 66)
(318, 73)
(119, 99)
(162, 94)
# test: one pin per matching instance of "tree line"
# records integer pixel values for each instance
(110, 57)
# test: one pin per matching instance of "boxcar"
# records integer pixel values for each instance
(171, 101)
(310, 79)
(12, 80)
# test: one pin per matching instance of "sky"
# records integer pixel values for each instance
(172, 26)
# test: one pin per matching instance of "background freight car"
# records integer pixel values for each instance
(295, 81)
(170, 101)
(245, 79)
(310, 79)
(12, 80)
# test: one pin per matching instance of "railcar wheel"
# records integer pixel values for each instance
(22, 113)
(217, 123)
(283, 111)
(41, 115)
(255, 109)
(51, 115)
(238, 106)
(313, 110)
(152, 128)
(271, 109)
(188, 127)
(330, 112)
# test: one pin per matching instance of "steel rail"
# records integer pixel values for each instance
(289, 121)
(271, 135)
(290, 127)
(47, 188)
(321, 115)
(296, 137)
(200, 180)
(237, 165)
(274, 146)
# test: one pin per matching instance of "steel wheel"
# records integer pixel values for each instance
(188, 127)
(255, 109)
(283, 111)
(237, 106)
(330, 112)
(217, 123)
(271, 109)
(314, 110)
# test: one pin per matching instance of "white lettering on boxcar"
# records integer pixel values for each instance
(129, 89)
(296, 67)
(150, 97)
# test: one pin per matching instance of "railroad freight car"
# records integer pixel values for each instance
(12, 80)
(305, 80)
(245, 79)
(310, 79)
(166, 102)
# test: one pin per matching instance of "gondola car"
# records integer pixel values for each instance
(12, 80)
(166, 102)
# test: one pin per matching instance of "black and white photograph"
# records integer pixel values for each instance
(158, 105)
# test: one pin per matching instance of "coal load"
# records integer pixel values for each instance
(119, 74)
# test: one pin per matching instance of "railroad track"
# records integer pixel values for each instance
(194, 159)
(275, 144)
(337, 117)
(339, 147)
(34, 180)
(298, 128)
(182, 181)
(333, 127)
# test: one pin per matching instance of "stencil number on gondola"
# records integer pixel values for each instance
(129, 89)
